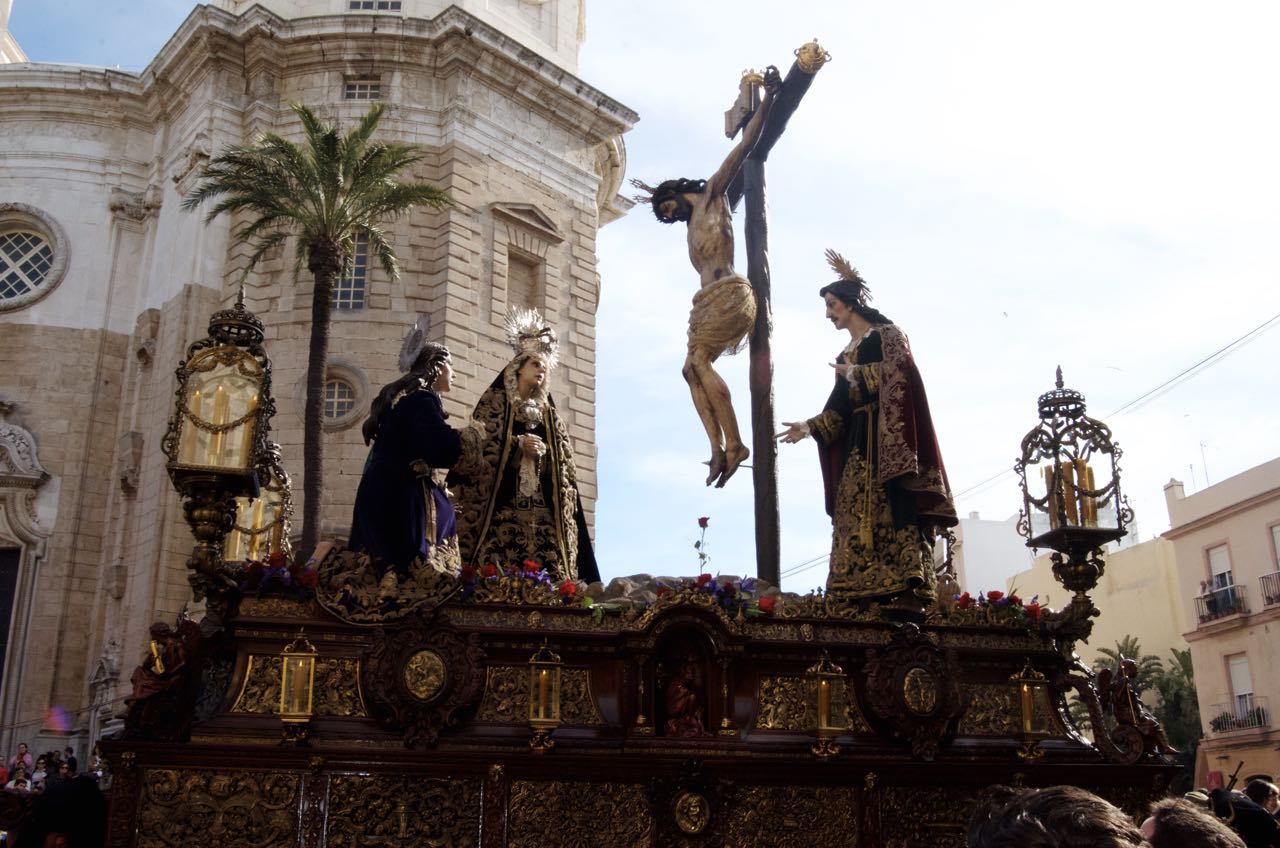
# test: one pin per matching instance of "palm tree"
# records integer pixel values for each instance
(325, 192)
(1149, 665)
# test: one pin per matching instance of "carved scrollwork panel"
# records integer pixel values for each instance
(375, 811)
(934, 816)
(572, 814)
(785, 703)
(993, 710)
(577, 706)
(213, 809)
(337, 689)
(261, 690)
(813, 816)
(506, 697)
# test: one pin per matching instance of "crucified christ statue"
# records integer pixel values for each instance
(724, 309)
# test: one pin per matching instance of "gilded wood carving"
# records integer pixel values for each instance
(579, 814)
(787, 816)
(377, 811)
(215, 809)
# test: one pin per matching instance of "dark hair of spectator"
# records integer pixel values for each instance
(1260, 790)
(1179, 822)
(1055, 817)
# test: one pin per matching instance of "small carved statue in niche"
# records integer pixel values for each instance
(683, 702)
(165, 686)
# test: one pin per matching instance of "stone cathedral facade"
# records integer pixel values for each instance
(104, 281)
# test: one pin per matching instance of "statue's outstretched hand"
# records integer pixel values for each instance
(772, 80)
(796, 431)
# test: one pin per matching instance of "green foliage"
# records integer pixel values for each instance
(326, 191)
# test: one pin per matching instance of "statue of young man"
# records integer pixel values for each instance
(724, 309)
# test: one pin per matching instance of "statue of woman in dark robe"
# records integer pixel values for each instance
(517, 483)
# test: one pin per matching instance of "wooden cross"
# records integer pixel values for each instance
(750, 184)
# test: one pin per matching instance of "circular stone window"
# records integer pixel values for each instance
(33, 255)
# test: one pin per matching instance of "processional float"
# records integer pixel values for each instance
(496, 708)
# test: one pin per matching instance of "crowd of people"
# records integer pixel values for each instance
(23, 772)
(1071, 817)
(53, 801)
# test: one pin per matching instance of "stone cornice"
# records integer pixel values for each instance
(454, 41)
(1222, 514)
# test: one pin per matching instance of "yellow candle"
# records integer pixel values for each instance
(255, 541)
(544, 680)
(1054, 487)
(1069, 493)
(1088, 503)
(1028, 709)
(300, 685)
(824, 703)
(221, 403)
(189, 433)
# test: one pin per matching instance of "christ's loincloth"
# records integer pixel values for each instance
(722, 317)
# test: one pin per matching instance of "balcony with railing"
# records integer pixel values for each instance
(1220, 603)
(1269, 584)
(1247, 712)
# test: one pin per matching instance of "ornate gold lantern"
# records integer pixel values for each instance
(824, 676)
(1033, 707)
(297, 687)
(217, 436)
(1071, 502)
(261, 525)
(544, 697)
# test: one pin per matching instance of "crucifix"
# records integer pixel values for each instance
(729, 308)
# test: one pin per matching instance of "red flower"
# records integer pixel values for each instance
(531, 567)
(766, 603)
(704, 521)
(703, 579)
(663, 591)
(467, 574)
(309, 577)
(964, 601)
(568, 589)
(1033, 610)
(994, 595)
(729, 589)
(490, 570)
(276, 559)
(1015, 600)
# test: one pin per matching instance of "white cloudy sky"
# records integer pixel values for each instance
(1091, 184)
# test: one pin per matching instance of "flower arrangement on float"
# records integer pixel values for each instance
(276, 574)
(992, 607)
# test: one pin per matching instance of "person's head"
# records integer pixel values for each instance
(669, 202)
(1177, 822)
(19, 773)
(40, 763)
(432, 365)
(1055, 817)
(531, 374)
(435, 366)
(1264, 793)
(22, 748)
(64, 769)
(20, 783)
(849, 295)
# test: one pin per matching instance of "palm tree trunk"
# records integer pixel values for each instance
(313, 410)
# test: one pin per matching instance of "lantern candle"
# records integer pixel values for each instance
(221, 406)
(544, 680)
(1088, 503)
(824, 703)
